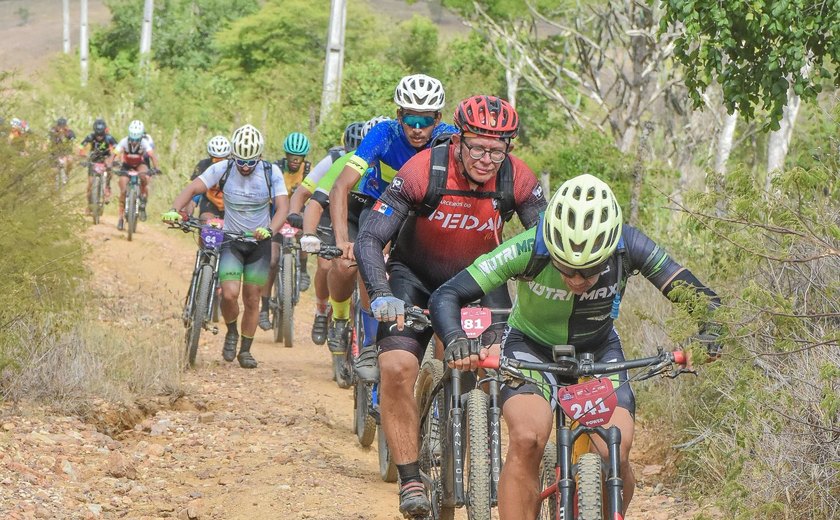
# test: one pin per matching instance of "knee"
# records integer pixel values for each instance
(230, 296)
(397, 372)
(526, 444)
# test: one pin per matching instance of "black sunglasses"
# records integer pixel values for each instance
(586, 272)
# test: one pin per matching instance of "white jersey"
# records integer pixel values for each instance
(246, 196)
(132, 154)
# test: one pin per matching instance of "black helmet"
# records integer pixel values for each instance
(61, 121)
(353, 135)
(99, 127)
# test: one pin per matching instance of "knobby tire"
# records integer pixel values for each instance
(478, 478)
(363, 424)
(548, 476)
(277, 308)
(387, 468)
(432, 436)
(131, 211)
(589, 487)
(95, 194)
(199, 314)
(288, 315)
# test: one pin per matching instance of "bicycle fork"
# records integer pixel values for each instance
(494, 418)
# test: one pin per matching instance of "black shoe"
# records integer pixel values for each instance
(304, 282)
(120, 224)
(413, 501)
(319, 329)
(337, 336)
(367, 365)
(246, 360)
(229, 350)
(265, 321)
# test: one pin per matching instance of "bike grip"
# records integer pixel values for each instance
(491, 362)
(679, 357)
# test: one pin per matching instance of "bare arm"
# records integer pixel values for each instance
(281, 209)
(311, 217)
(299, 198)
(338, 207)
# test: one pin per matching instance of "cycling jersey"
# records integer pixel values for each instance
(546, 310)
(326, 182)
(290, 178)
(387, 149)
(213, 195)
(461, 228)
(133, 153)
(99, 150)
(310, 182)
(246, 197)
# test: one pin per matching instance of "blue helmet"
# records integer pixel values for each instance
(296, 144)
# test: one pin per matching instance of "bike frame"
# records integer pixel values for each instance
(203, 256)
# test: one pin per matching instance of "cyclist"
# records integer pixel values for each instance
(211, 204)
(573, 269)
(350, 140)
(250, 185)
(18, 132)
(61, 139)
(132, 152)
(386, 148)
(294, 167)
(461, 193)
(102, 145)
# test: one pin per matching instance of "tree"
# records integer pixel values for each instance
(756, 50)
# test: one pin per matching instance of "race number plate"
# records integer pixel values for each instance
(288, 231)
(212, 238)
(475, 320)
(591, 403)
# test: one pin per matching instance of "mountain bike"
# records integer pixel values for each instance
(202, 296)
(574, 484)
(132, 201)
(96, 199)
(286, 287)
(460, 431)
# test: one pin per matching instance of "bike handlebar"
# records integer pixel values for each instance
(330, 252)
(192, 223)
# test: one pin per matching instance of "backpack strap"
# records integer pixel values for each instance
(539, 255)
(225, 176)
(438, 173)
(267, 172)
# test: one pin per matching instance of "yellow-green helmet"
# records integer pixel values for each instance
(582, 222)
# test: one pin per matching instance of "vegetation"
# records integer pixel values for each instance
(759, 426)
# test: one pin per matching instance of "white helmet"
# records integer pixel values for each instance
(247, 142)
(16, 123)
(420, 92)
(373, 122)
(582, 222)
(136, 130)
(218, 146)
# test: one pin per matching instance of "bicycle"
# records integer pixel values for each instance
(574, 484)
(96, 199)
(460, 422)
(286, 287)
(132, 201)
(202, 295)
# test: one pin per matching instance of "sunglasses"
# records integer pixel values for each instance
(586, 272)
(414, 121)
(245, 163)
(477, 152)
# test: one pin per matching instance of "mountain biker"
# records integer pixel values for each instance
(211, 204)
(294, 167)
(132, 152)
(433, 244)
(18, 133)
(386, 148)
(250, 185)
(61, 139)
(350, 140)
(572, 270)
(102, 145)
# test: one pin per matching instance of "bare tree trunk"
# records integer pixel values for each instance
(83, 42)
(545, 180)
(335, 57)
(65, 10)
(779, 141)
(724, 144)
(513, 73)
(146, 33)
(642, 155)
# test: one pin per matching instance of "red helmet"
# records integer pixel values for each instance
(487, 116)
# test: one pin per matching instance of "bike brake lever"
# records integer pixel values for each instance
(673, 374)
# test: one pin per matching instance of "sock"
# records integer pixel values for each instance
(264, 307)
(371, 325)
(321, 307)
(246, 344)
(408, 472)
(232, 328)
(341, 310)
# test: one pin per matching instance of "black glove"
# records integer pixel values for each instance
(460, 348)
(708, 336)
(295, 220)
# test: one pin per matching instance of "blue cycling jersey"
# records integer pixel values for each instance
(383, 151)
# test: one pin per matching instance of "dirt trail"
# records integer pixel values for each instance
(275, 442)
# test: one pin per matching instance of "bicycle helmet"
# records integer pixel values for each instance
(61, 122)
(420, 92)
(373, 122)
(296, 144)
(136, 130)
(246, 143)
(487, 116)
(582, 223)
(16, 123)
(99, 127)
(218, 146)
(353, 135)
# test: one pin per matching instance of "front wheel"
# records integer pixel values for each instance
(288, 315)
(277, 308)
(589, 487)
(387, 468)
(131, 211)
(363, 423)
(548, 476)
(95, 202)
(199, 313)
(478, 479)
(433, 436)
